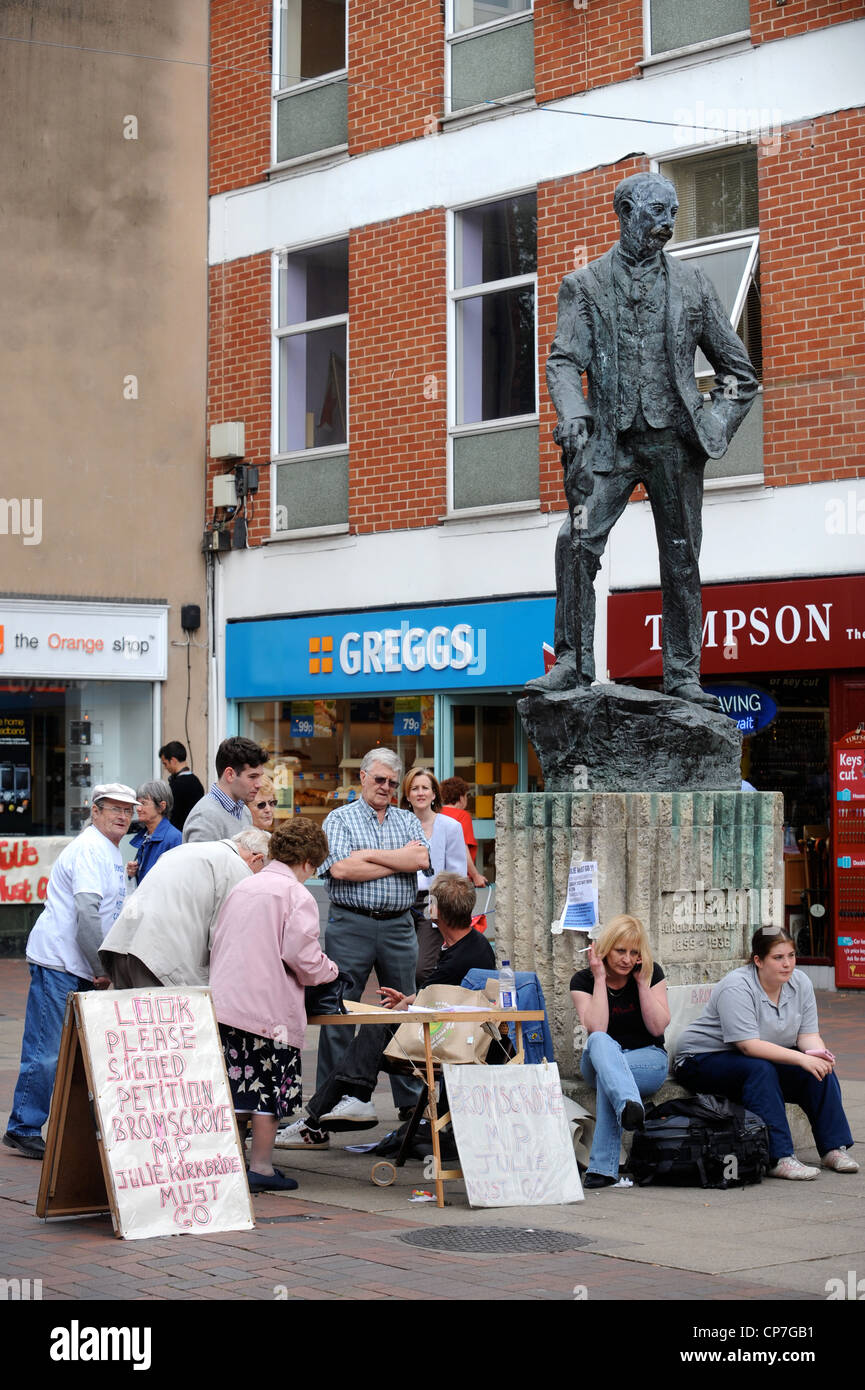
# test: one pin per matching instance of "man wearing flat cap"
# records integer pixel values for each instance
(86, 892)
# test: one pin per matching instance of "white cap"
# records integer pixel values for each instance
(114, 791)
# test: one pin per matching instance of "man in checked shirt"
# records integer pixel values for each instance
(371, 878)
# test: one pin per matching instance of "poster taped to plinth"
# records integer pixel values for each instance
(513, 1136)
(163, 1109)
(580, 912)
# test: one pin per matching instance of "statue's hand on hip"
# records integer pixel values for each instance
(714, 429)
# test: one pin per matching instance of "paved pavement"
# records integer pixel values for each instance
(341, 1238)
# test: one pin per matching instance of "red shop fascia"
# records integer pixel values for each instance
(780, 626)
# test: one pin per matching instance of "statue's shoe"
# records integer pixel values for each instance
(561, 676)
(696, 695)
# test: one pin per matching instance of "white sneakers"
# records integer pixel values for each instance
(353, 1109)
(790, 1167)
(840, 1161)
(300, 1136)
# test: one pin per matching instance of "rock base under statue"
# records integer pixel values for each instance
(616, 738)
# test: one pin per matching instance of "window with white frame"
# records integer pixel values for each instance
(494, 354)
(671, 25)
(491, 52)
(717, 230)
(310, 77)
(311, 416)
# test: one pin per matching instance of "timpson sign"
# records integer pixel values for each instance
(786, 625)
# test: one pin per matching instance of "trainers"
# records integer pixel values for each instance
(300, 1135)
(840, 1161)
(790, 1167)
(353, 1109)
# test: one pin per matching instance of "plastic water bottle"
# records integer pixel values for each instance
(507, 987)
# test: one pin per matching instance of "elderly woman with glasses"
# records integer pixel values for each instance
(264, 804)
(157, 834)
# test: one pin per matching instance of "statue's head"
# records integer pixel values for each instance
(646, 206)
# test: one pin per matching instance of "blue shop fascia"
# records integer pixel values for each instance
(437, 683)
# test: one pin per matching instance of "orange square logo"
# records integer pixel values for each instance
(320, 665)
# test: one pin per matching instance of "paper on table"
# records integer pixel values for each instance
(450, 1008)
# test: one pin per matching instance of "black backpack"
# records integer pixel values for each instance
(701, 1141)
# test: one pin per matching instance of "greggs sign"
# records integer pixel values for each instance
(786, 625)
(446, 647)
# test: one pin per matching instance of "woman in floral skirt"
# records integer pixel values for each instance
(265, 950)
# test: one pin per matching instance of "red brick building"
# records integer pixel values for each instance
(397, 192)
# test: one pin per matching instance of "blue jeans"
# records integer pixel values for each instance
(765, 1087)
(618, 1076)
(43, 1027)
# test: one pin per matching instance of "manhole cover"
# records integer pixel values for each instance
(494, 1240)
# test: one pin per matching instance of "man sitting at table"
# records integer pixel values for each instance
(346, 1096)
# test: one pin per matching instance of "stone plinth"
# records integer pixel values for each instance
(618, 738)
(702, 870)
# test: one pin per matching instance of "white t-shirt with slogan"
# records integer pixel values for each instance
(91, 864)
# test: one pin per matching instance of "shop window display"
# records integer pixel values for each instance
(59, 739)
(792, 756)
(317, 745)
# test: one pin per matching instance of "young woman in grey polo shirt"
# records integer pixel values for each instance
(757, 1043)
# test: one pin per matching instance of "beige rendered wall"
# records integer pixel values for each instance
(103, 266)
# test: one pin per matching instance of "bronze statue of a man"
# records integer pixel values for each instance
(632, 321)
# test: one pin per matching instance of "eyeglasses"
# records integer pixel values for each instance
(260, 805)
(386, 782)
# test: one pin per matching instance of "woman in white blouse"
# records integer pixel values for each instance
(448, 854)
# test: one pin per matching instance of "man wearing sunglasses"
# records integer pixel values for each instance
(376, 850)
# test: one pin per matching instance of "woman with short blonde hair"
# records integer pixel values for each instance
(263, 805)
(621, 1001)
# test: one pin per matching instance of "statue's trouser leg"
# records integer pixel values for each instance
(673, 477)
(603, 508)
(563, 635)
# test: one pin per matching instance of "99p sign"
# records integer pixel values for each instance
(302, 719)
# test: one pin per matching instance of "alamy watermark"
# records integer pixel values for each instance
(22, 516)
(20, 1290)
(728, 125)
(852, 1288)
(845, 516)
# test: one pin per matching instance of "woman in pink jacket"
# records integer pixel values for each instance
(264, 951)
